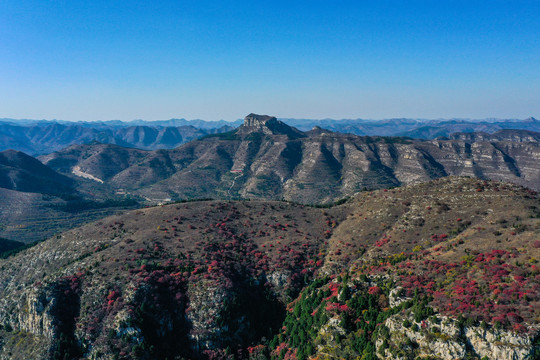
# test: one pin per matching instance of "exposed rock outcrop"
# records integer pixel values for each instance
(425, 339)
(497, 344)
(442, 338)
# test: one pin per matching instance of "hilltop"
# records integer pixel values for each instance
(455, 257)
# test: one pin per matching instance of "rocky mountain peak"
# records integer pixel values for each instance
(268, 125)
(260, 123)
(256, 120)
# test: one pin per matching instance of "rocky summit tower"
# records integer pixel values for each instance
(254, 122)
(267, 125)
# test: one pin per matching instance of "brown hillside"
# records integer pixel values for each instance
(219, 273)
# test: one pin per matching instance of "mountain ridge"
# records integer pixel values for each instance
(269, 159)
(40, 137)
(47, 137)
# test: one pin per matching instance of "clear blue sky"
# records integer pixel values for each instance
(92, 60)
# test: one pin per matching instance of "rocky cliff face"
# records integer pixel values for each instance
(497, 344)
(260, 122)
(443, 338)
(442, 341)
(267, 125)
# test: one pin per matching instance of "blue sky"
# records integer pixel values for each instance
(99, 60)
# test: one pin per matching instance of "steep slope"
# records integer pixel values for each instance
(200, 269)
(21, 172)
(7, 246)
(435, 270)
(103, 161)
(29, 217)
(210, 279)
(266, 159)
(38, 202)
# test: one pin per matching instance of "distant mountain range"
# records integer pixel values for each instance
(37, 137)
(45, 137)
(198, 123)
(416, 128)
